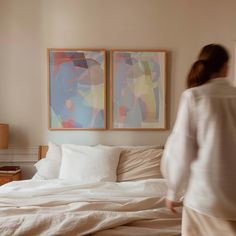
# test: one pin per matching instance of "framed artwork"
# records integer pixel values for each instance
(77, 89)
(138, 90)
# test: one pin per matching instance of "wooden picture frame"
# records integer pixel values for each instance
(234, 78)
(77, 89)
(138, 90)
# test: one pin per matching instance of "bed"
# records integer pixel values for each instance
(130, 204)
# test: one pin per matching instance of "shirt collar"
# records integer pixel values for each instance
(219, 81)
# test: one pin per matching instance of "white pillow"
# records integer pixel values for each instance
(54, 151)
(89, 164)
(49, 167)
(38, 177)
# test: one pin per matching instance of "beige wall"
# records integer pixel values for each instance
(28, 27)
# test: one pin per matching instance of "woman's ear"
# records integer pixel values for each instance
(224, 70)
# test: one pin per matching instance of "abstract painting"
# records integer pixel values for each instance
(138, 89)
(77, 85)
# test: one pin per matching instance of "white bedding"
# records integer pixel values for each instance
(59, 207)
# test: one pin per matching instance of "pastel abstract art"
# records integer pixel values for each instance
(138, 90)
(77, 84)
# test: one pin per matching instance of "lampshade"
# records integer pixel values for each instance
(4, 128)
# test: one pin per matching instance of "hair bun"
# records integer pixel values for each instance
(203, 61)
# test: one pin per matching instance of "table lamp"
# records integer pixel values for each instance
(4, 129)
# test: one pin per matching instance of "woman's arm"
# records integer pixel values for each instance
(181, 148)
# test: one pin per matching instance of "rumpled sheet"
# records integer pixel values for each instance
(58, 207)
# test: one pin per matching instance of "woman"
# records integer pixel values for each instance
(199, 160)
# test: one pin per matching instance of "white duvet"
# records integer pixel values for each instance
(57, 207)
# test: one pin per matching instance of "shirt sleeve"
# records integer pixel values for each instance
(180, 149)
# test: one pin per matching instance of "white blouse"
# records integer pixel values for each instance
(199, 159)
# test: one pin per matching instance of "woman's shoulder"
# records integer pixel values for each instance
(190, 92)
(193, 94)
(214, 89)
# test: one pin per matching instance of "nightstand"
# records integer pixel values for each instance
(8, 177)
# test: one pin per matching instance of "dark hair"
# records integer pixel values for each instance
(210, 61)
